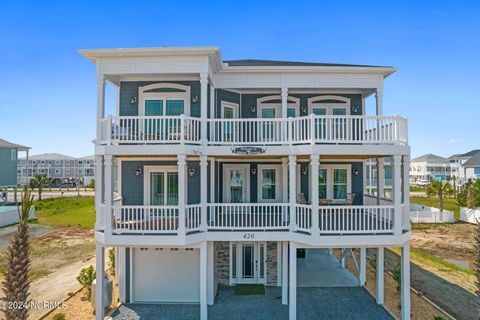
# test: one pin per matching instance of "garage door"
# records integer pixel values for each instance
(166, 275)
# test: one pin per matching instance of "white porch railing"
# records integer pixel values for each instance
(356, 219)
(248, 216)
(304, 217)
(255, 131)
(145, 219)
(151, 129)
(193, 218)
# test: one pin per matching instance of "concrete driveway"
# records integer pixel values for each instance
(312, 303)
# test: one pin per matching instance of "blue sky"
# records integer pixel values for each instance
(48, 91)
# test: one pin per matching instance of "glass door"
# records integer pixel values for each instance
(248, 265)
(236, 183)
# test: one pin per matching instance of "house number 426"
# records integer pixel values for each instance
(249, 236)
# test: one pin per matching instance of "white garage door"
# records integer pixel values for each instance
(166, 275)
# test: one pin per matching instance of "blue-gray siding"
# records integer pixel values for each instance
(8, 167)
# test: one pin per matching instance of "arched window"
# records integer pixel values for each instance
(164, 99)
(329, 105)
(271, 107)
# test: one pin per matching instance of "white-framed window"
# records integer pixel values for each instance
(164, 99)
(57, 162)
(271, 107)
(67, 162)
(329, 105)
(57, 171)
(80, 162)
(160, 185)
(334, 181)
(230, 110)
(269, 183)
(80, 171)
(68, 171)
(14, 154)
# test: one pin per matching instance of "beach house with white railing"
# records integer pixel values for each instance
(215, 173)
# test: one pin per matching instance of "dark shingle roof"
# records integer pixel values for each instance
(474, 161)
(428, 156)
(277, 63)
(465, 155)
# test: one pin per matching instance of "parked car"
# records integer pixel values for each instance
(422, 183)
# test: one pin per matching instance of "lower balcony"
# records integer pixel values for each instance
(283, 217)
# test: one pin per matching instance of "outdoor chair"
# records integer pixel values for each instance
(301, 199)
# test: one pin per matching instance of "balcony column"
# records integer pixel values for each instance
(203, 281)
(406, 190)
(285, 180)
(100, 105)
(397, 194)
(284, 103)
(405, 281)
(100, 281)
(380, 179)
(363, 266)
(292, 303)
(98, 193)
(292, 171)
(212, 180)
(210, 273)
(380, 275)
(203, 191)
(203, 106)
(108, 193)
(182, 191)
(379, 101)
(314, 166)
(285, 272)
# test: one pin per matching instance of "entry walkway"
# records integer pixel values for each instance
(320, 269)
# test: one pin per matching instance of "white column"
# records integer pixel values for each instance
(285, 180)
(405, 281)
(212, 180)
(363, 266)
(203, 105)
(406, 191)
(380, 275)
(182, 193)
(292, 171)
(284, 102)
(210, 273)
(397, 194)
(108, 193)
(292, 299)
(203, 281)
(380, 179)
(99, 193)
(379, 101)
(285, 272)
(203, 191)
(100, 105)
(314, 165)
(212, 101)
(100, 281)
(279, 263)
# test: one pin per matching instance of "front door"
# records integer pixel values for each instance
(236, 182)
(248, 262)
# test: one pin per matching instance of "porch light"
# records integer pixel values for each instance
(194, 99)
(253, 171)
(191, 172)
(304, 171)
(354, 109)
(133, 100)
(138, 172)
(304, 109)
(355, 172)
(253, 109)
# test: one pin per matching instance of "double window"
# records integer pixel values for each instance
(269, 183)
(334, 181)
(161, 186)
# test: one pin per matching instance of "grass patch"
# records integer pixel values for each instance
(417, 189)
(449, 204)
(249, 289)
(66, 212)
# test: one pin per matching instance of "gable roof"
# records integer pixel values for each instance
(4, 144)
(429, 156)
(279, 63)
(474, 161)
(50, 156)
(465, 155)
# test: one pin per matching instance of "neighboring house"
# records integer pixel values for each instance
(429, 167)
(8, 165)
(456, 164)
(225, 168)
(60, 168)
(471, 168)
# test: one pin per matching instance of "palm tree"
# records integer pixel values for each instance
(16, 283)
(440, 189)
(39, 181)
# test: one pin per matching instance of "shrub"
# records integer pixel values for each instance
(59, 316)
(397, 276)
(438, 318)
(86, 277)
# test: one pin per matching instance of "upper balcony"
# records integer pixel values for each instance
(312, 129)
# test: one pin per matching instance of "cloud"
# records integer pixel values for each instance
(452, 140)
